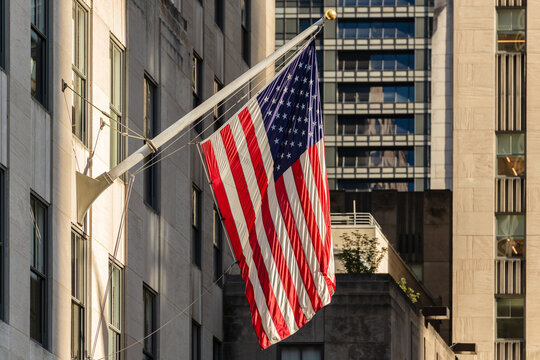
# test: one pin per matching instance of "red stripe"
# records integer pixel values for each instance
(273, 241)
(228, 221)
(314, 159)
(309, 215)
(249, 215)
(298, 250)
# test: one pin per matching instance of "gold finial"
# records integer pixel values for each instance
(330, 14)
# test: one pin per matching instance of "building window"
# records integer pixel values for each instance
(381, 157)
(218, 109)
(375, 93)
(510, 235)
(38, 271)
(218, 241)
(39, 53)
(78, 295)
(361, 61)
(150, 323)
(244, 18)
(510, 324)
(196, 225)
(195, 341)
(151, 129)
(376, 2)
(3, 244)
(217, 350)
(358, 125)
(300, 352)
(115, 311)
(510, 30)
(118, 146)
(350, 29)
(80, 35)
(510, 155)
(196, 78)
(219, 13)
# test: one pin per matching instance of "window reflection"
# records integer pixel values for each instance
(350, 29)
(354, 125)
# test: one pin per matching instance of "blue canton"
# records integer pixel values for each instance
(291, 110)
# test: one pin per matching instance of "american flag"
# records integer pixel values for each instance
(267, 170)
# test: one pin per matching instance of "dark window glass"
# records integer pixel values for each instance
(216, 350)
(196, 225)
(510, 323)
(376, 62)
(150, 324)
(300, 352)
(151, 125)
(218, 109)
(2, 244)
(38, 271)
(219, 13)
(244, 4)
(38, 53)
(389, 30)
(376, 29)
(115, 311)
(197, 80)
(218, 241)
(78, 295)
(510, 155)
(79, 114)
(3, 31)
(389, 62)
(510, 30)
(118, 145)
(195, 341)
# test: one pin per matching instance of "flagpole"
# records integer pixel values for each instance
(88, 189)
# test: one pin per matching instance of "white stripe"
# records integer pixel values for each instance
(288, 253)
(302, 228)
(238, 214)
(256, 199)
(311, 185)
(262, 138)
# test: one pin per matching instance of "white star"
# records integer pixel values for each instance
(317, 111)
(310, 108)
(266, 99)
(288, 155)
(276, 141)
(310, 134)
(310, 82)
(285, 116)
(277, 167)
(314, 123)
(303, 132)
(286, 142)
(282, 155)
(300, 65)
(292, 143)
(273, 127)
(293, 117)
(289, 77)
(308, 67)
(278, 115)
(306, 120)
(303, 106)
(268, 112)
(280, 102)
(307, 95)
(314, 96)
(295, 131)
(288, 104)
(289, 131)
(304, 80)
(301, 92)
(285, 90)
(279, 87)
(300, 144)
(280, 129)
(273, 101)
(297, 105)
(292, 91)
(295, 78)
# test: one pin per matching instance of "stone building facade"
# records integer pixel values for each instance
(78, 291)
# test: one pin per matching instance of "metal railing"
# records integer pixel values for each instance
(355, 219)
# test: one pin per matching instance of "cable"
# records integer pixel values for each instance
(206, 291)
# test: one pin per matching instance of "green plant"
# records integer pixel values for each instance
(360, 254)
(413, 295)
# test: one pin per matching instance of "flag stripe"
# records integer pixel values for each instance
(228, 221)
(296, 243)
(249, 215)
(307, 244)
(248, 166)
(258, 165)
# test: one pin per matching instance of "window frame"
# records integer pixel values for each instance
(300, 345)
(196, 225)
(217, 240)
(197, 87)
(218, 109)
(117, 110)
(3, 35)
(80, 303)
(517, 31)
(510, 317)
(3, 244)
(42, 275)
(152, 354)
(219, 14)
(245, 9)
(41, 93)
(217, 349)
(81, 75)
(195, 340)
(152, 173)
(110, 326)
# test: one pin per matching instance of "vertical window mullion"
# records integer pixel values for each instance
(115, 311)
(196, 225)
(118, 146)
(79, 110)
(151, 124)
